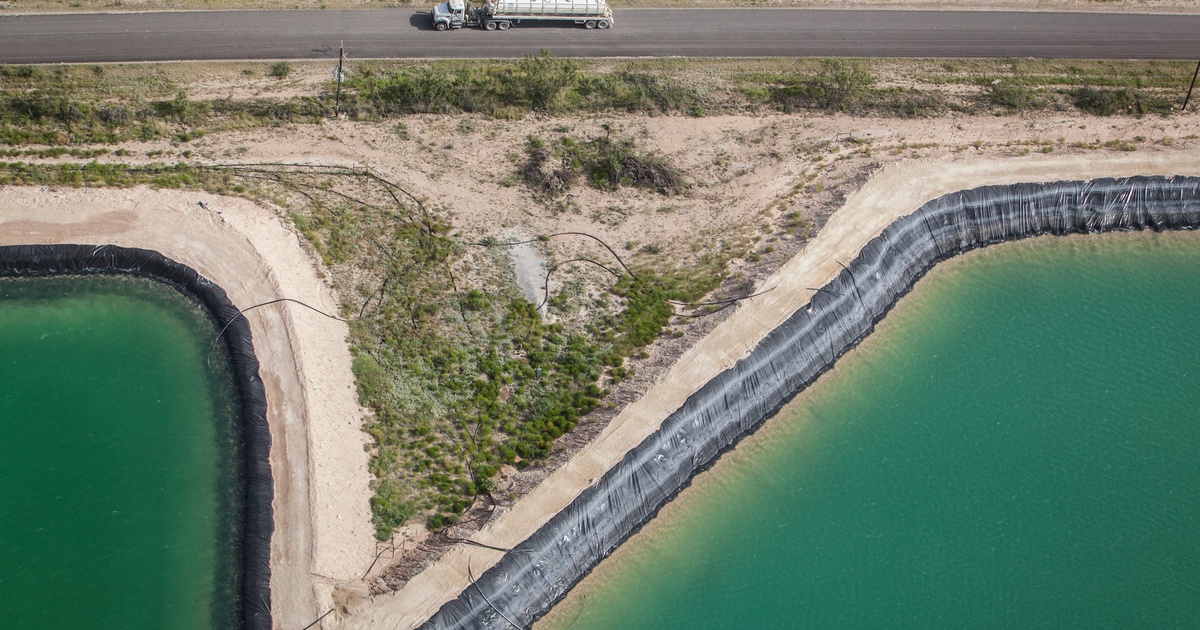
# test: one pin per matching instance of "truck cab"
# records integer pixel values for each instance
(450, 14)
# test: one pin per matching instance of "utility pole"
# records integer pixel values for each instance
(341, 76)
(1189, 94)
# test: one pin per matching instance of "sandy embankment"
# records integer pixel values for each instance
(322, 518)
(893, 192)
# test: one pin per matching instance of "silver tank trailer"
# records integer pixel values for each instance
(502, 14)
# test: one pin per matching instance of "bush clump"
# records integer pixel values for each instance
(1011, 94)
(838, 85)
(541, 83)
(906, 102)
(389, 509)
(1110, 102)
(607, 164)
(281, 69)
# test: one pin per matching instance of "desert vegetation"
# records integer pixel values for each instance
(89, 105)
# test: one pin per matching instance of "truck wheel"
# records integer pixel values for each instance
(441, 26)
(504, 25)
(489, 25)
(603, 24)
(589, 24)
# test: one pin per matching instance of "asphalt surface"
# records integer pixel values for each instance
(404, 33)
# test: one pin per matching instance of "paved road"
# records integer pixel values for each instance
(209, 35)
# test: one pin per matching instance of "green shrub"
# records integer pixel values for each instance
(905, 102)
(839, 84)
(607, 164)
(638, 92)
(281, 69)
(1011, 94)
(646, 311)
(389, 509)
(474, 300)
(539, 80)
(1109, 102)
(183, 110)
(371, 378)
(756, 93)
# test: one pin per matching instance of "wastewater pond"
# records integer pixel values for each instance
(1016, 446)
(120, 479)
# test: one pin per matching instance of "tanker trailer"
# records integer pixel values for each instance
(502, 14)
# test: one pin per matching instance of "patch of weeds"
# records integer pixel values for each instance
(1109, 102)
(1012, 94)
(838, 85)
(281, 69)
(606, 163)
(181, 175)
(390, 508)
(905, 102)
(796, 223)
(506, 90)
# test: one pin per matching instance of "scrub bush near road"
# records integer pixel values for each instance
(77, 105)
(1012, 94)
(281, 69)
(1109, 102)
(906, 102)
(539, 83)
(838, 85)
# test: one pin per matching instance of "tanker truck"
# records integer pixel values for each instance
(502, 14)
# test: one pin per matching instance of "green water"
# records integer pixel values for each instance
(1017, 447)
(117, 439)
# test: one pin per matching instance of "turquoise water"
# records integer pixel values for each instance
(117, 479)
(1018, 446)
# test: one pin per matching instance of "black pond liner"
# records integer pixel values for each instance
(45, 260)
(538, 572)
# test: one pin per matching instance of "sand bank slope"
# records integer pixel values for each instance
(323, 532)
